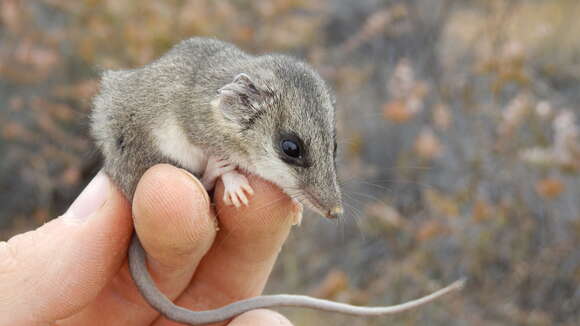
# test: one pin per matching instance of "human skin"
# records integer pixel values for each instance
(73, 270)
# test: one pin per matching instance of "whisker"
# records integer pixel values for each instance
(367, 196)
(376, 186)
(357, 219)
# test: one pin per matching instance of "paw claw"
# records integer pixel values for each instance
(243, 198)
(236, 201)
(248, 189)
(237, 189)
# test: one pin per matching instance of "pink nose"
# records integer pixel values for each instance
(335, 212)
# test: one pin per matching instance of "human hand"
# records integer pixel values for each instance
(73, 270)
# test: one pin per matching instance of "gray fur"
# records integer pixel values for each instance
(288, 97)
(234, 106)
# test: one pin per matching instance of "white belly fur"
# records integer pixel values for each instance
(174, 144)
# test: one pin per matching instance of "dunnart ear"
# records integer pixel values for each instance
(242, 85)
(241, 100)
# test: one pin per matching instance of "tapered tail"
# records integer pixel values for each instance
(159, 301)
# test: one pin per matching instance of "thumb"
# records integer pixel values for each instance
(52, 272)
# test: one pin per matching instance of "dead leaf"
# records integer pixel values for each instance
(481, 210)
(428, 145)
(397, 111)
(550, 188)
(387, 215)
(11, 15)
(441, 204)
(14, 130)
(430, 229)
(335, 282)
(442, 116)
(71, 176)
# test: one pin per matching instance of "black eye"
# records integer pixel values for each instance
(291, 148)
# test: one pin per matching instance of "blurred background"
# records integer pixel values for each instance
(458, 124)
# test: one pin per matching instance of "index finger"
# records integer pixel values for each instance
(246, 247)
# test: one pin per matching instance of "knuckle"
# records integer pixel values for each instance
(9, 261)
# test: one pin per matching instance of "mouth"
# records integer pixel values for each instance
(311, 201)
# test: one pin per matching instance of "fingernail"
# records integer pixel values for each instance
(91, 198)
(199, 185)
(296, 212)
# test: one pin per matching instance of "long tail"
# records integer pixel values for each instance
(171, 311)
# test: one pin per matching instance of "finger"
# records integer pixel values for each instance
(240, 260)
(67, 261)
(173, 221)
(260, 317)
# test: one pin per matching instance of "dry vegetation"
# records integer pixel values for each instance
(460, 131)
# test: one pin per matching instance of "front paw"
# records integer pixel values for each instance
(215, 168)
(236, 189)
